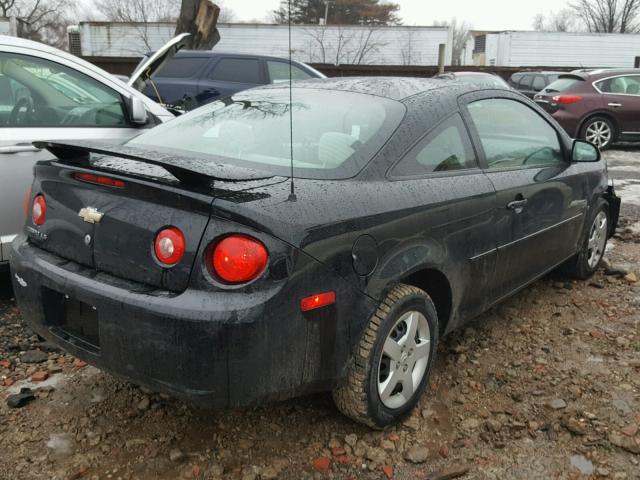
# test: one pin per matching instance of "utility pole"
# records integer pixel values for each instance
(326, 10)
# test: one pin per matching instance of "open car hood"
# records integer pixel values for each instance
(145, 70)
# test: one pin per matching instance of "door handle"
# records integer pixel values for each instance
(18, 149)
(517, 205)
(615, 105)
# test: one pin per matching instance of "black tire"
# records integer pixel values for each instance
(594, 122)
(357, 396)
(579, 267)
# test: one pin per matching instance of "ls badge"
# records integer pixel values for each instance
(90, 215)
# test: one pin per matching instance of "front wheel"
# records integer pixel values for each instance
(599, 131)
(593, 245)
(392, 362)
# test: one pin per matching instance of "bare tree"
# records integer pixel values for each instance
(41, 20)
(608, 16)
(560, 21)
(227, 14)
(461, 33)
(139, 13)
(407, 50)
(343, 44)
(6, 6)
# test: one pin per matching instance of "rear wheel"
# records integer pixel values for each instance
(594, 242)
(600, 131)
(393, 360)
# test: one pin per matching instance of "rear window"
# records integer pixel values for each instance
(335, 134)
(182, 67)
(562, 84)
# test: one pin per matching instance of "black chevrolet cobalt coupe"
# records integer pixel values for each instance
(198, 259)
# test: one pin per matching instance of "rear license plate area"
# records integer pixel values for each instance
(74, 321)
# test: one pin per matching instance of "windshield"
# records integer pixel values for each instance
(335, 133)
(562, 84)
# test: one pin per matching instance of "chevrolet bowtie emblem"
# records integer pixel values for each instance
(90, 215)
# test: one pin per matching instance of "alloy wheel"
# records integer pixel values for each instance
(597, 240)
(404, 360)
(599, 133)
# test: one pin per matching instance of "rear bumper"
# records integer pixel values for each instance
(215, 349)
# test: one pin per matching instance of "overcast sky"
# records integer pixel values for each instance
(481, 14)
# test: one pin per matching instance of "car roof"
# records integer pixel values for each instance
(394, 88)
(540, 72)
(212, 54)
(10, 41)
(595, 74)
(468, 74)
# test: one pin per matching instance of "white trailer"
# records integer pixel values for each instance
(345, 44)
(557, 49)
(7, 26)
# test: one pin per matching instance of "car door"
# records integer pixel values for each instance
(47, 101)
(442, 165)
(229, 75)
(621, 97)
(540, 204)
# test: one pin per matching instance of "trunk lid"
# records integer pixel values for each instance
(145, 70)
(153, 195)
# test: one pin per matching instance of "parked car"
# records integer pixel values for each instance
(600, 106)
(476, 78)
(48, 94)
(530, 83)
(196, 77)
(188, 260)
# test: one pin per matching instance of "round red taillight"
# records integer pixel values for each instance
(169, 246)
(38, 210)
(239, 259)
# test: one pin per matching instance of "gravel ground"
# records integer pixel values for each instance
(544, 386)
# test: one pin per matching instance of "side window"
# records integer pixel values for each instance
(628, 85)
(525, 82)
(38, 93)
(515, 78)
(239, 70)
(279, 72)
(514, 135)
(538, 83)
(182, 67)
(444, 149)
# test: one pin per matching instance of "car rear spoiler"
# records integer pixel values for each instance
(190, 171)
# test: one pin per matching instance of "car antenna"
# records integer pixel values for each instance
(292, 195)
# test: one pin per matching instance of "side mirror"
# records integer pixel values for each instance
(584, 152)
(137, 112)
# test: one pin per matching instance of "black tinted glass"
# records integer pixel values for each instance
(447, 148)
(238, 70)
(181, 67)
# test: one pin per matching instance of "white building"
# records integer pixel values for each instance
(7, 26)
(352, 44)
(553, 49)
